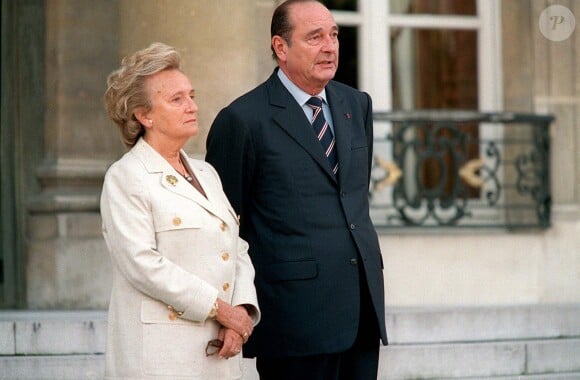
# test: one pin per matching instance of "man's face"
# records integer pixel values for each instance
(310, 60)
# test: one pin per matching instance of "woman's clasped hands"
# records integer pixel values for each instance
(237, 326)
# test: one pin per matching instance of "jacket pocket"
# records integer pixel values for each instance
(359, 143)
(171, 346)
(168, 221)
(291, 270)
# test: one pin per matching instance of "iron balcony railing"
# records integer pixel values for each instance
(461, 169)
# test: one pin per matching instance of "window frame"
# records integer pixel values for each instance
(374, 22)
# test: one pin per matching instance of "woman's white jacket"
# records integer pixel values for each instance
(173, 252)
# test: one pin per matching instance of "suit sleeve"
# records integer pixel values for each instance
(369, 132)
(245, 292)
(231, 152)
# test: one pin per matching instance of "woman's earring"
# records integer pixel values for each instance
(150, 122)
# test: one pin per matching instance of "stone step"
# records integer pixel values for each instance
(52, 332)
(437, 361)
(483, 360)
(486, 323)
(58, 367)
(521, 342)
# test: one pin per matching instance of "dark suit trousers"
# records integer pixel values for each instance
(360, 362)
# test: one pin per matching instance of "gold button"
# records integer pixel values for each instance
(176, 221)
(225, 286)
(223, 226)
(173, 314)
(225, 256)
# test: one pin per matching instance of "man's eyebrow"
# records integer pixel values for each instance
(314, 32)
(318, 30)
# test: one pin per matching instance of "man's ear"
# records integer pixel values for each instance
(280, 47)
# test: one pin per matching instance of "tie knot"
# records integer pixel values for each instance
(315, 101)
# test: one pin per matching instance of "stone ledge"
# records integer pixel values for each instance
(485, 323)
(7, 343)
(437, 361)
(542, 359)
(548, 356)
(522, 342)
(74, 367)
(53, 332)
(404, 325)
(551, 376)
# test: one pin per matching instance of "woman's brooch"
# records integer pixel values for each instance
(171, 179)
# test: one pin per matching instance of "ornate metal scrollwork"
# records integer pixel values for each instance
(461, 168)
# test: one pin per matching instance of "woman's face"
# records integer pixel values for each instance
(173, 113)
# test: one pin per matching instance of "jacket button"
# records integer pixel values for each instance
(225, 256)
(226, 286)
(352, 226)
(173, 314)
(353, 262)
(223, 226)
(176, 221)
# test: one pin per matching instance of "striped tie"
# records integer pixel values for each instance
(323, 132)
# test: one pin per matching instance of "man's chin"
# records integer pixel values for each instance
(326, 74)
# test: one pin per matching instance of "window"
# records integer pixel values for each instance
(423, 54)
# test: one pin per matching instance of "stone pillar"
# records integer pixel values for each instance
(67, 264)
(224, 46)
(541, 76)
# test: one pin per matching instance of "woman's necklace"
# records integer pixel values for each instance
(185, 173)
(189, 178)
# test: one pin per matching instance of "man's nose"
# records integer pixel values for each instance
(330, 43)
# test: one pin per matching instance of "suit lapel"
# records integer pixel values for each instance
(290, 117)
(342, 123)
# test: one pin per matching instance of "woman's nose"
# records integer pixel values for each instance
(192, 105)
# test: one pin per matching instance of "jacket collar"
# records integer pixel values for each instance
(171, 180)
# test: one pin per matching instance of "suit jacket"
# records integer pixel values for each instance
(169, 246)
(308, 233)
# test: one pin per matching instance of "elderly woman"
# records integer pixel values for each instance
(183, 298)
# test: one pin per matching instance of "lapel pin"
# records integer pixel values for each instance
(171, 179)
(347, 115)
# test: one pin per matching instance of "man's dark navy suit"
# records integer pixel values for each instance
(308, 232)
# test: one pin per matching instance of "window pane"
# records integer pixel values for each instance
(434, 68)
(437, 69)
(434, 7)
(341, 5)
(348, 57)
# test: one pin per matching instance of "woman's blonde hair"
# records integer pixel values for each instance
(126, 90)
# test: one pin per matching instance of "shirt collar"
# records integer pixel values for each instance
(297, 93)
